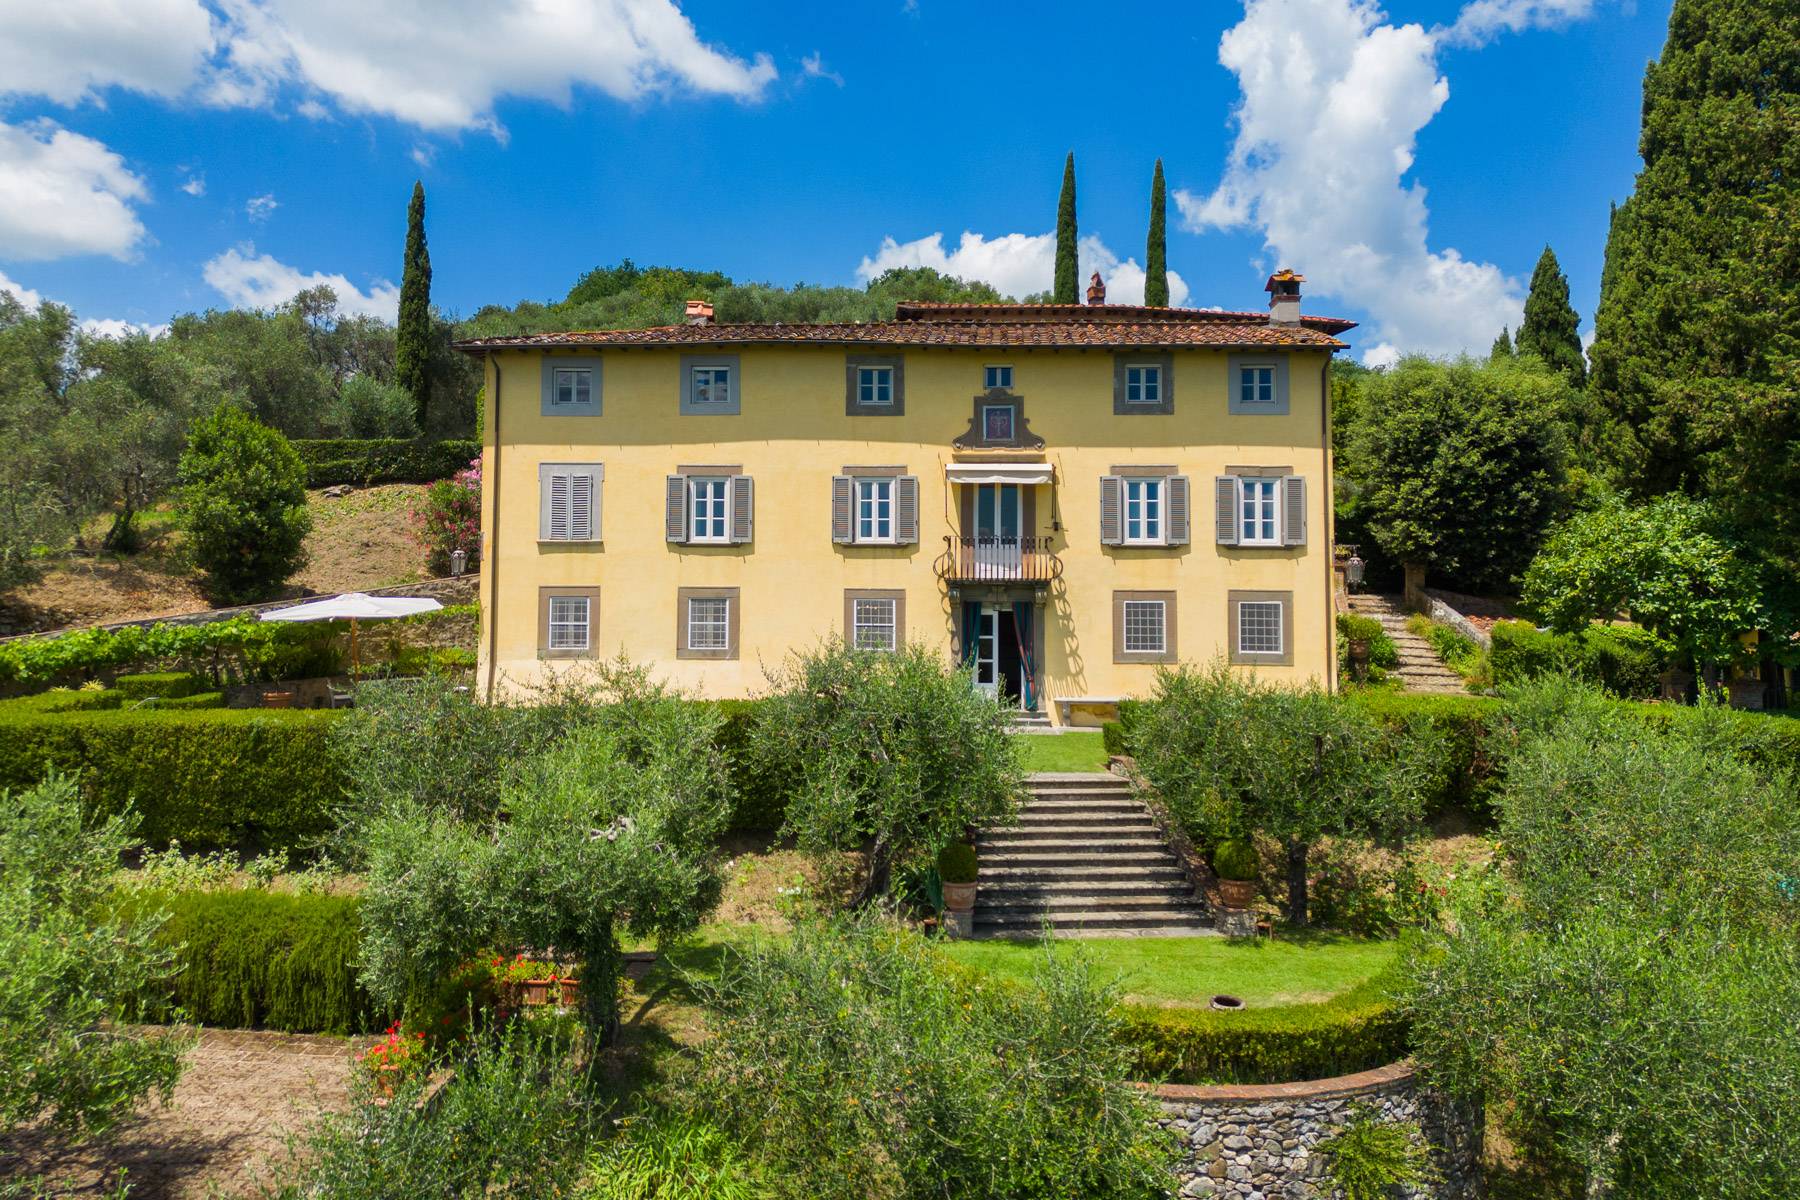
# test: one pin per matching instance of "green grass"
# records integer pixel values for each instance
(1181, 971)
(1077, 751)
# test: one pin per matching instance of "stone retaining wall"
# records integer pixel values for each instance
(1262, 1142)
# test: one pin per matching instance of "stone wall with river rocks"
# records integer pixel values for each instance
(1262, 1142)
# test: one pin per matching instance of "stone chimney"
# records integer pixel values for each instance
(699, 312)
(1096, 290)
(1284, 297)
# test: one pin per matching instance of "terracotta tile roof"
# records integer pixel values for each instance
(1024, 325)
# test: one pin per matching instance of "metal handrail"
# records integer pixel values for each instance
(991, 558)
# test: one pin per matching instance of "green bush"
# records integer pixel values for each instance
(208, 779)
(1235, 859)
(759, 789)
(242, 502)
(956, 863)
(1384, 655)
(1623, 659)
(254, 959)
(164, 685)
(1353, 1032)
(1460, 725)
(1112, 738)
(368, 461)
(195, 700)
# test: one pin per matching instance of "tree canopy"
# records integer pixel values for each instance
(412, 331)
(1156, 246)
(1551, 330)
(1067, 286)
(1697, 348)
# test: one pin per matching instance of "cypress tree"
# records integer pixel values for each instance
(1698, 327)
(1067, 284)
(1503, 347)
(1156, 264)
(412, 337)
(1551, 330)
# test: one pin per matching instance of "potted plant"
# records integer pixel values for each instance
(392, 1059)
(956, 867)
(1234, 862)
(525, 982)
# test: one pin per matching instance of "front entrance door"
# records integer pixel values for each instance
(997, 529)
(999, 669)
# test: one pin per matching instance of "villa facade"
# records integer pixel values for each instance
(1064, 497)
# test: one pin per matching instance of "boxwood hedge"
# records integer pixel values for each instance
(366, 461)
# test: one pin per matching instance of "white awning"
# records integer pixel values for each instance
(999, 472)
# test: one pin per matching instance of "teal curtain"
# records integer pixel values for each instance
(1022, 628)
(971, 632)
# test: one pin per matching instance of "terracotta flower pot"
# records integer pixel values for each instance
(571, 992)
(1237, 893)
(534, 993)
(385, 1079)
(959, 897)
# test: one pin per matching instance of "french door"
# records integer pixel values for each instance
(987, 651)
(998, 549)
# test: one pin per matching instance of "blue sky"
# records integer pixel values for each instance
(1412, 160)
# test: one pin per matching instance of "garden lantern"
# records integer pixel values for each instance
(459, 558)
(1353, 569)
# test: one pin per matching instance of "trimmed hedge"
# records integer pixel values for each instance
(1625, 659)
(366, 461)
(164, 685)
(1112, 738)
(254, 959)
(1353, 1032)
(760, 797)
(1464, 723)
(244, 778)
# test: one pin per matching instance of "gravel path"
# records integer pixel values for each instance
(242, 1093)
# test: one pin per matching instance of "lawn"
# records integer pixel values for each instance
(1301, 969)
(1081, 750)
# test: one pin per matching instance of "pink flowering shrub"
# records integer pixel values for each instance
(448, 517)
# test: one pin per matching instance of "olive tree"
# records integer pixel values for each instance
(1231, 755)
(611, 829)
(895, 750)
(1626, 984)
(76, 967)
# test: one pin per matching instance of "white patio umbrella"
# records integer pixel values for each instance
(354, 607)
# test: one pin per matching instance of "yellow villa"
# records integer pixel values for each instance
(1061, 496)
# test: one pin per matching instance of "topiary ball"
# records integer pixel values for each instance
(956, 863)
(1235, 859)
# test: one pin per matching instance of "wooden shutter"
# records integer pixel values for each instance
(1112, 519)
(742, 508)
(553, 519)
(581, 507)
(1225, 489)
(1293, 510)
(675, 522)
(906, 510)
(1176, 488)
(841, 491)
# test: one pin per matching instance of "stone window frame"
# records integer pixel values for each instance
(733, 404)
(552, 363)
(733, 616)
(898, 596)
(1234, 367)
(1237, 657)
(1165, 403)
(592, 596)
(853, 405)
(1169, 652)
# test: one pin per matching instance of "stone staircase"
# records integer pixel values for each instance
(1421, 670)
(1087, 859)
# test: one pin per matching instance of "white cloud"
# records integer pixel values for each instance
(195, 185)
(1018, 264)
(68, 50)
(21, 293)
(63, 194)
(112, 327)
(261, 208)
(441, 64)
(424, 155)
(251, 280)
(814, 66)
(1482, 20)
(1333, 101)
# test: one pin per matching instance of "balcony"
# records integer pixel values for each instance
(997, 559)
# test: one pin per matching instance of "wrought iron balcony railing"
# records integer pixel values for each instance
(994, 559)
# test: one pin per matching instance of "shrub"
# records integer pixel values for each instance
(1112, 739)
(207, 779)
(254, 959)
(760, 787)
(1235, 859)
(666, 1158)
(447, 518)
(241, 647)
(242, 500)
(365, 407)
(368, 461)
(1461, 653)
(67, 1055)
(956, 863)
(164, 685)
(1368, 1158)
(1356, 1031)
(861, 1064)
(1624, 659)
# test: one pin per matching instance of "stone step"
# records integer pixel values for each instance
(1037, 857)
(1007, 904)
(1144, 922)
(1063, 780)
(1126, 842)
(1094, 830)
(1094, 811)
(1070, 886)
(1060, 872)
